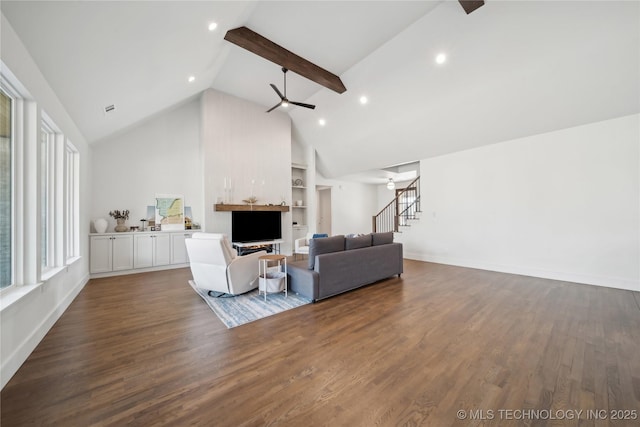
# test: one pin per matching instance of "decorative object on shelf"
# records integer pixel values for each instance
(228, 191)
(134, 228)
(298, 182)
(100, 225)
(121, 218)
(143, 221)
(298, 202)
(250, 200)
(121, 225)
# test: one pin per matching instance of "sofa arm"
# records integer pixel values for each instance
(303, 281)
(242, 273)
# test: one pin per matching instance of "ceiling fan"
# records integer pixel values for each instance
(284, 101)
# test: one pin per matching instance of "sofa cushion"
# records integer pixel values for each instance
(381, 238)
(324, 246)
(357, 242)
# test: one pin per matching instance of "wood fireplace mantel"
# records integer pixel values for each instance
(231, 208)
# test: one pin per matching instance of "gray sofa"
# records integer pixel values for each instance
(338, 264)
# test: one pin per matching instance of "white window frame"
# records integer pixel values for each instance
(10, 92)
(72, 203)
(47, 196)
(53, 188)
(25, 266)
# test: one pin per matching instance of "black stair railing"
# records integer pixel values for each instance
(404, 207)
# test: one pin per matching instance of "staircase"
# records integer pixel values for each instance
(400, 211)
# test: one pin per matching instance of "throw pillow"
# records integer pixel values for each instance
(319, 235)
(381, 238)
(324, 246)
(357, 242)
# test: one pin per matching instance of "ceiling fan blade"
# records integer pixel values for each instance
(471, 5)
(277, 91)
(274, 107)
(300, 104)
(261, 46)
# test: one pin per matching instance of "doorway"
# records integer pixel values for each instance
(323, 218)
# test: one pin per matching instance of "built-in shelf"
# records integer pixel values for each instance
(299, 207)
(302, 187)
(230, 208)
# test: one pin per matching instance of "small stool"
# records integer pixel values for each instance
(263, 267)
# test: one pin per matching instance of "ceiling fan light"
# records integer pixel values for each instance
(285, 104)
(391, 185)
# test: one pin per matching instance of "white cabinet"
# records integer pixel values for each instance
(151, 250)
(111, 253)
(178, 248)
(137, 251)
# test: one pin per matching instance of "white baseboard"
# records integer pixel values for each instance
(137, 270)
(605, 281)
(12, 363)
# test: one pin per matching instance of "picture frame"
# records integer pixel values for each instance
(169, 212)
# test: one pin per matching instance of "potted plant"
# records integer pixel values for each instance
(121, 217)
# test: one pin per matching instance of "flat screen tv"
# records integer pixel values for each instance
(255, 226)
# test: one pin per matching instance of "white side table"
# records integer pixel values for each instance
(265, 284)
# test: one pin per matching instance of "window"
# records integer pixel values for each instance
(39, 191)
(47, 196)
(72, 202)
(6, 190)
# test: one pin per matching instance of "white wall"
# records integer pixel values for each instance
(353, 205)
(159, 156)
(241, 143)
(563, 205)
(26, 321)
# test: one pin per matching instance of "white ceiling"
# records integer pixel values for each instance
(514, 68)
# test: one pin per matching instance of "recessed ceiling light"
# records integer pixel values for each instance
(441, 58)
(322, 122)
(191, 79)
(213, 26)
(363, 100)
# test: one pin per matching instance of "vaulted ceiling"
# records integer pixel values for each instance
(513, 69)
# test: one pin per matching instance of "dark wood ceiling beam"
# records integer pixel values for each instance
(471, 5)
(261, 46)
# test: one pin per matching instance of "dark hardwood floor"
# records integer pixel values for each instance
(146, 350)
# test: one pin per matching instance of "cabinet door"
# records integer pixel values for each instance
(101, 258)
(143, 251)
(179, 249)
(122, 253)
(162, 249)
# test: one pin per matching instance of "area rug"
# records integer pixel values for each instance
(245, 308)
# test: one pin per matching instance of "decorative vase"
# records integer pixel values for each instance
(121, 227)
(100, 225)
